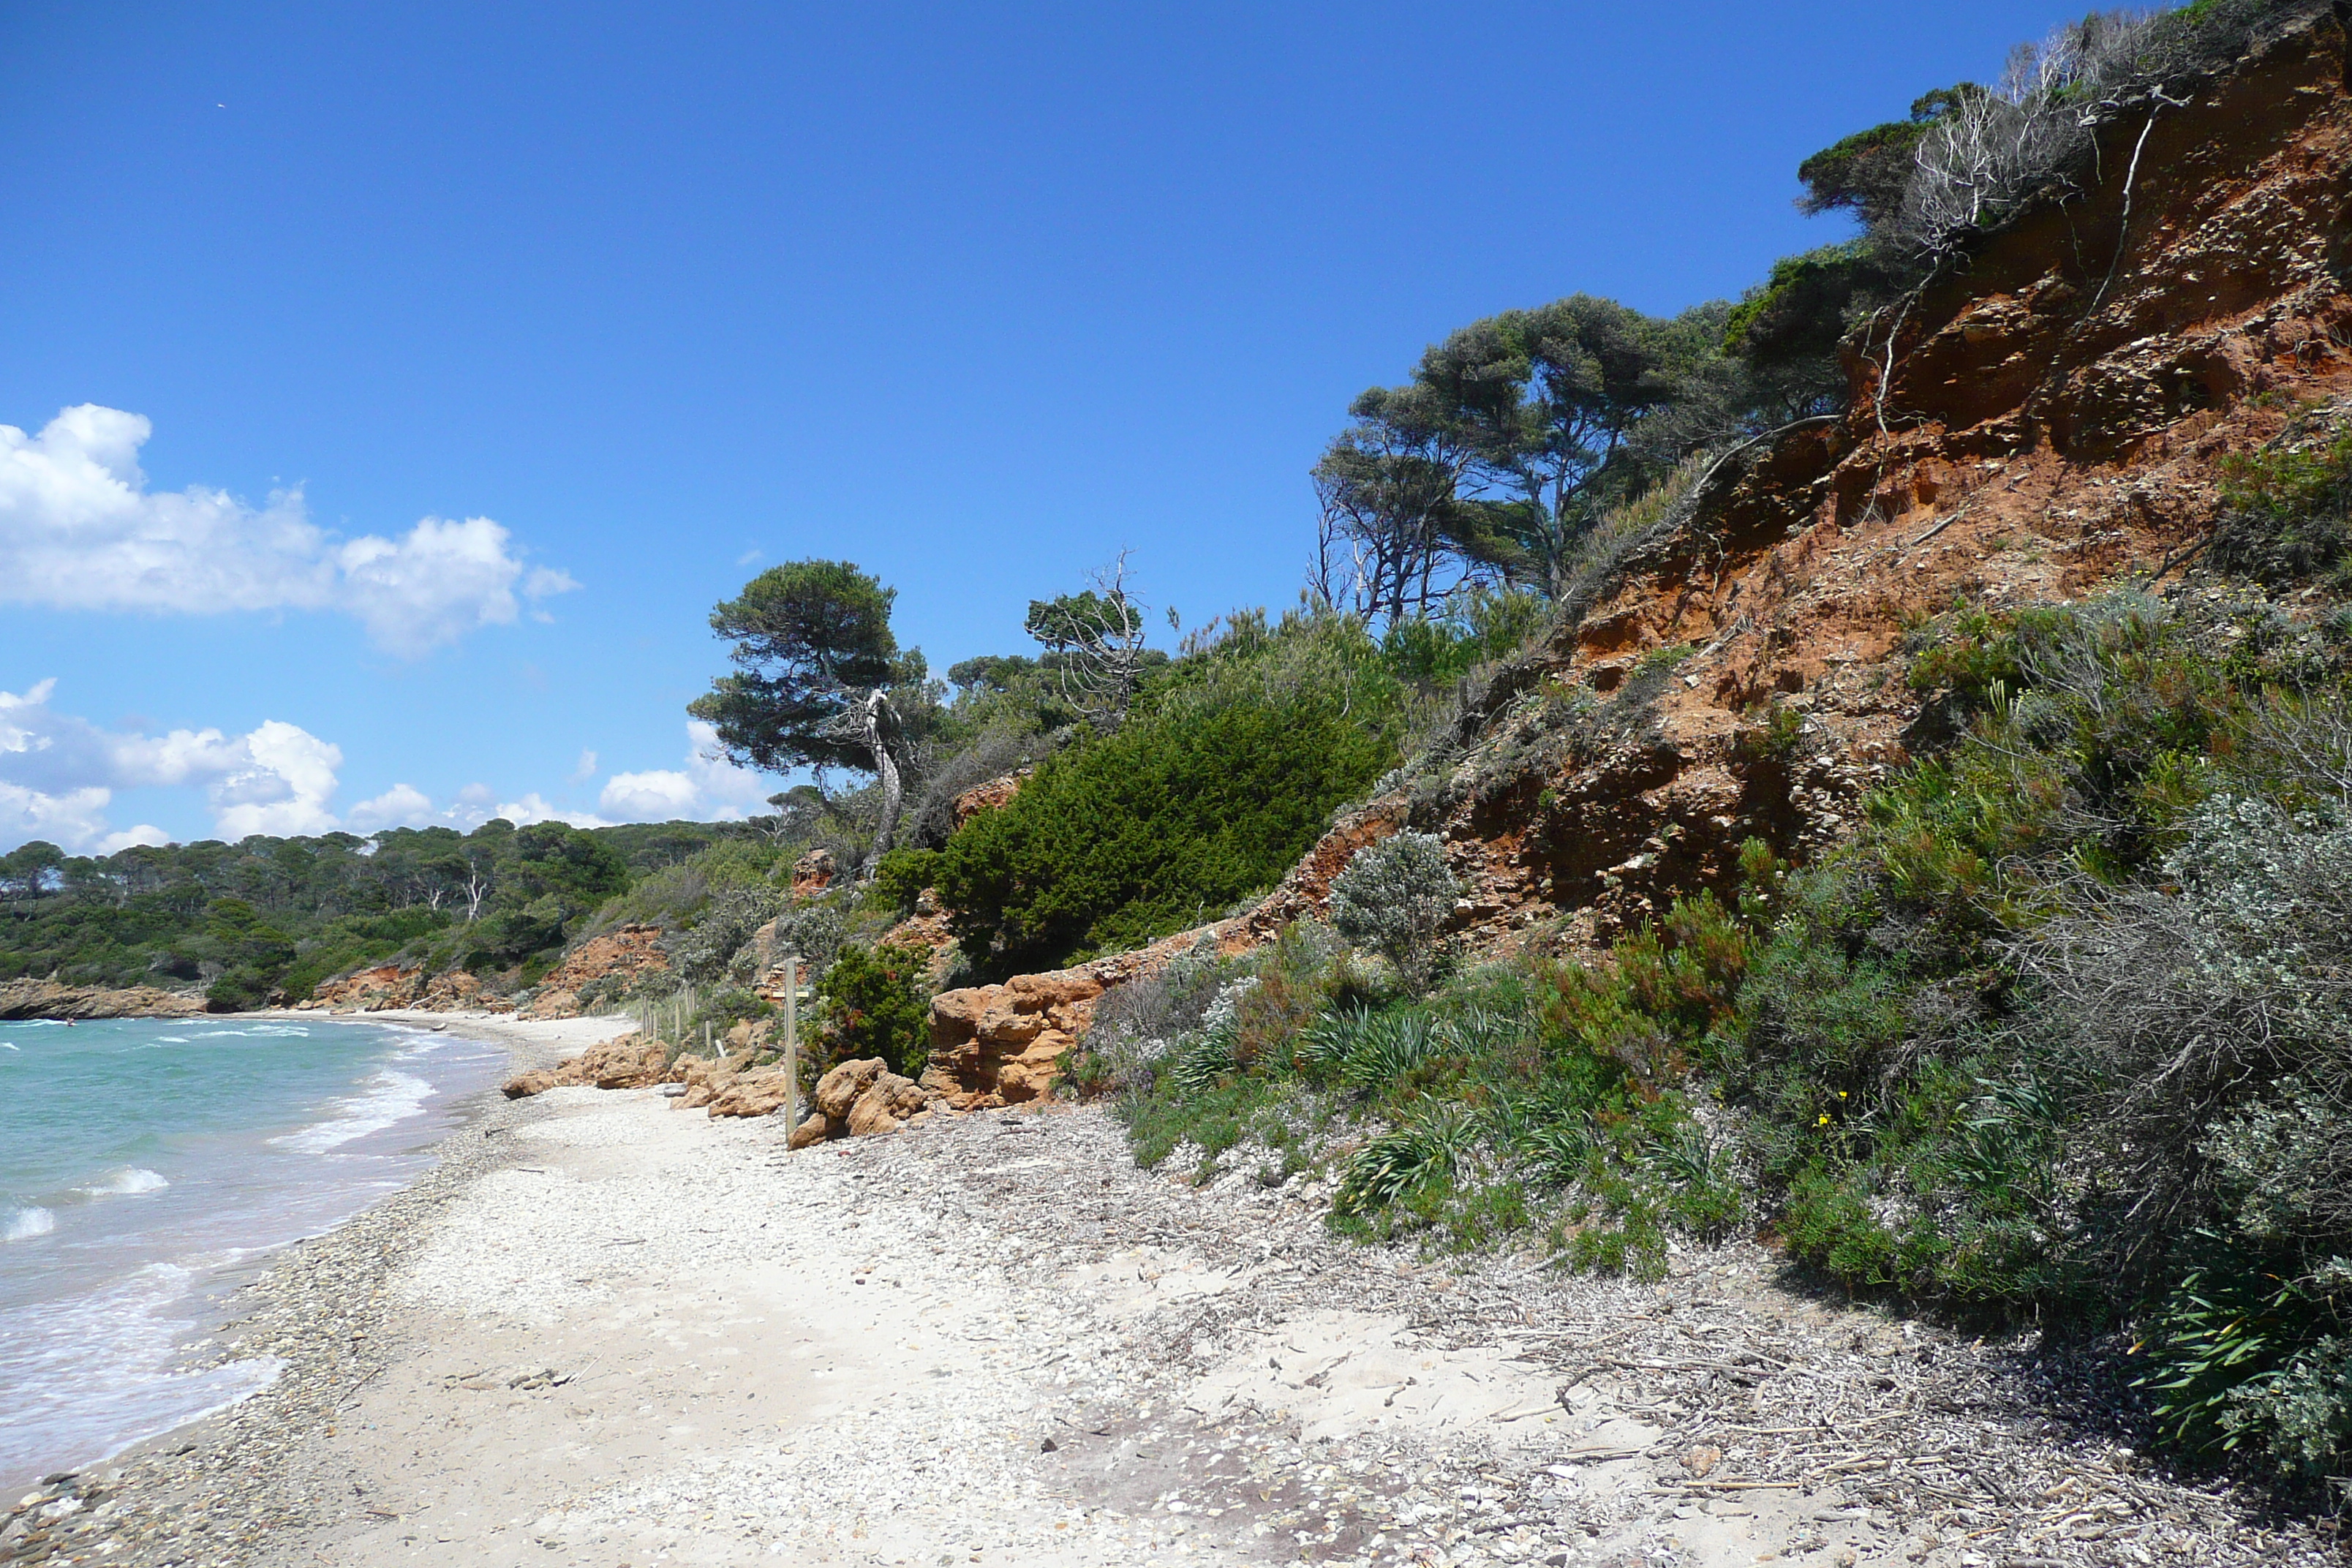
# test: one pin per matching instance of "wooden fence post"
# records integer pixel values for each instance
(791, 1039)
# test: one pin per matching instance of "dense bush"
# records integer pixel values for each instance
(2287, 509)
(1230, 768)
(2066, 1027)
(704, 952)
(1394, 898)
(873, 1004)
(901, 877)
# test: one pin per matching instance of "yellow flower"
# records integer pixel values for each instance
(1840, 1094)
(1825, 1119)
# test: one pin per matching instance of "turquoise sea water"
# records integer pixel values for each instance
(145, 1164)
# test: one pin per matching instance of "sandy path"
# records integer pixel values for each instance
(606, 1331)
(653, 1337)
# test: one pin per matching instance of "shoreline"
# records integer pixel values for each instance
(599, 1331)
(313, 1303)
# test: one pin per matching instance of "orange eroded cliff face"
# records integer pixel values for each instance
(2047, 424)
(2052, 426)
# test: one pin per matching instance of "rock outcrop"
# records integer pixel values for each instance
(47, 999)
(929, 930)
(368, 990)
(388, 985)
(813, 873)
(632, 1061)
(858, 1099)
(1003, 1044)
(2053, 425)
(628, 952)
(990, 796)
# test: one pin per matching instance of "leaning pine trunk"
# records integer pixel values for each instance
(881, 725)
(886, 766)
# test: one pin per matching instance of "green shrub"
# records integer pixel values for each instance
(1428, 1148)
(1775, 739)
(1477, 629)
(901, 877)
(1228, 771)
(722, 1010)
(874, 1004)
(2286, 511)
(1395, 897)
(705, 952)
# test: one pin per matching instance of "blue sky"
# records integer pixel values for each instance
(632, 301)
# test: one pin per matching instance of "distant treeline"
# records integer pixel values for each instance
(276, 916)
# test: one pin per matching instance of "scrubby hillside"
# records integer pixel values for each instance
(1918, 834)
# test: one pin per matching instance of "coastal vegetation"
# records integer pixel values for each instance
(2055, 1036)
(2057, 1033)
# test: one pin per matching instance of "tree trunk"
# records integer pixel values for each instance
(881, 725)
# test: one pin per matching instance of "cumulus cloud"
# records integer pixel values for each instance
(80, 530)
(76, 818)
(282, 788)
(401, 805)
(533, 807)
(707, 788)
(58, 774)
(405, 805)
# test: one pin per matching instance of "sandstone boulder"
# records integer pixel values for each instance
(635, 1061)
(522, 1086)
(705, 1080)
(632, 1061)
(884, 1105)
(1003, 1044)
(553, 1003)
(815, 1130)
(813, 873)
(837, 1090)
(761, 1093)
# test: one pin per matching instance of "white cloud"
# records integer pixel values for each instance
(585, 769)
(75, 820)
(58, 774)
(79, 529)
(708, 789)
(656, 796)
(401, 805)
(283, 788)
(533, 807)
(405, 805)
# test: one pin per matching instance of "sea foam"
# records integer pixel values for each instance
(391, 1097)
(129, 1179)
(27, 1222)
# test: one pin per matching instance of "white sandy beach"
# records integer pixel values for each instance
(608, 1332)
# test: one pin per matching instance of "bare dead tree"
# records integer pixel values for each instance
(477, 887)
(1995, 147)
(1097, 638)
